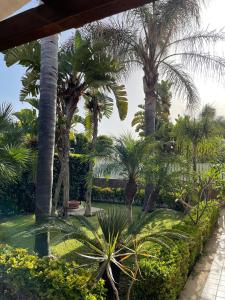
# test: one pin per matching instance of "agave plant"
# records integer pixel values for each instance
(116, 246)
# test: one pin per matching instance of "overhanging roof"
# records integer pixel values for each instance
(8, 7)
(58, 15)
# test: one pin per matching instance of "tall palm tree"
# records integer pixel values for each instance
(99, 105)
(46, 137)
(162, 108)
(84, 65)
(161, 38)
(127, 161)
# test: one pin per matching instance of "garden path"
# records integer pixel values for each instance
(207, 281)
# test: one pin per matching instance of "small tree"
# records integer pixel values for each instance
(193, 134)
(127, 161)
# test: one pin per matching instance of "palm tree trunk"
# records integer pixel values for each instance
(91, 162)
(130, 192)
(66, 173)
(149, 84)
(194, 157)
(57, 191)
(46, 138)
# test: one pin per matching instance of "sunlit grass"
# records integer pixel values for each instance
(15, 231)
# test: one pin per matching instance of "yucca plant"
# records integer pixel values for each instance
(116, 246)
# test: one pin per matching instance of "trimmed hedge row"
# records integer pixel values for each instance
(25, 276)
(117, 195)
(166, 275)
(114, 195)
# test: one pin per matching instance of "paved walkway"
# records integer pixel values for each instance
(207, 281)
(80, 211)
(214, 288)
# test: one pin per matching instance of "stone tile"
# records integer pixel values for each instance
(207, 298)
(208, 291)
(213, 275)
(220, 294)
(221, 288)
(222, 282)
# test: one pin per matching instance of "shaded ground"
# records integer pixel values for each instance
(196, 281)
(15, 231)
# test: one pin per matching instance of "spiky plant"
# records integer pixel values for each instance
(115, 244)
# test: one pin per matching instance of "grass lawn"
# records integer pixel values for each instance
(14, 231)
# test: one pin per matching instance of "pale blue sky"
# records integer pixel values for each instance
(210, 92)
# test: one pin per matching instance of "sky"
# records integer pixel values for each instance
(210, 91)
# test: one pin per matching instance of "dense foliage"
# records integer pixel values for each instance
(116, 195)
(25, 276)
(164, 276)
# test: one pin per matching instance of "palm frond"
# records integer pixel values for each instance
(182, 84)
(202, 39)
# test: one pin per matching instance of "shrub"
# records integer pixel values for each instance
(25, 276)
(114, 195)
(164, 277)
(117, 195)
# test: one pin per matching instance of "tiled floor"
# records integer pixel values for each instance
(214, 288)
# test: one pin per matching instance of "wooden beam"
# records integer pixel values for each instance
(56, 16)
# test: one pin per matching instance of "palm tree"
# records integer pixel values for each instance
(98, 105)
(46, 137)
(126, 160)
(28, 122)
(162, 108)
(83, 64)
(160, 38)
(192, 133)
(14, 156)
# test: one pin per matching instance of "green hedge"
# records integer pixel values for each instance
(114, 195)
(25, 276)
(117, 195)
(19, 196)
(164, 277)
